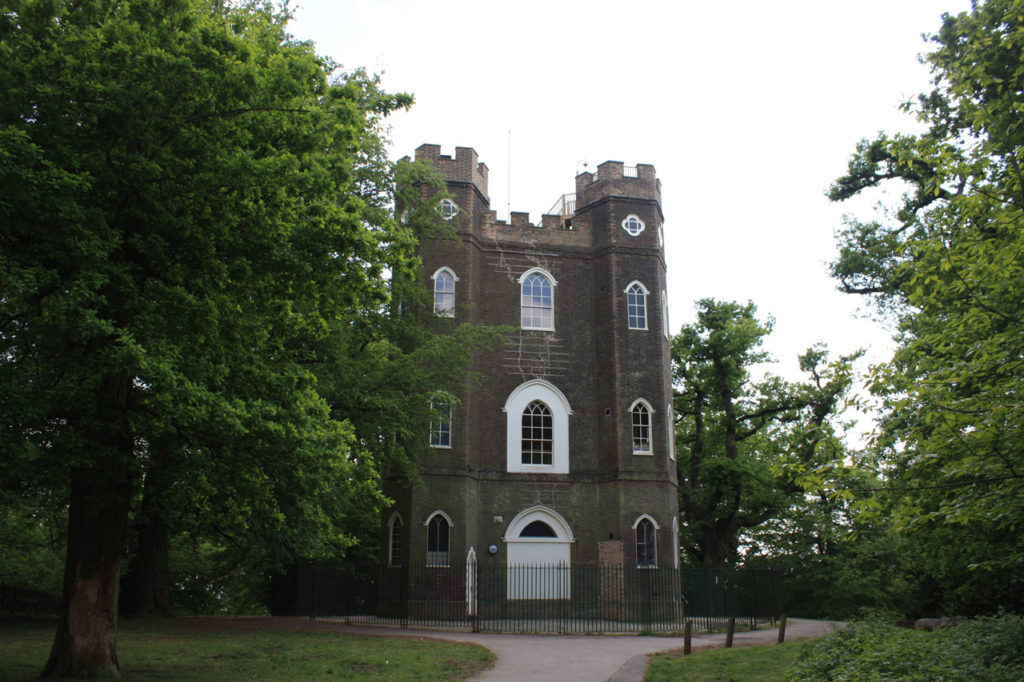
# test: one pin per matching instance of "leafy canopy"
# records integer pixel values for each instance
(948, 262)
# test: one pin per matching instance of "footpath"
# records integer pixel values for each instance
(589, 658)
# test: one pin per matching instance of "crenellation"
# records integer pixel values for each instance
(615, 179)
(464, 167)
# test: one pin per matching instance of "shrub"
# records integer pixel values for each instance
(990, 648)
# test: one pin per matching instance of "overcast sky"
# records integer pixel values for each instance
(747, 110)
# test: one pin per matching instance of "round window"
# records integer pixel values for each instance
(633, 225)
(448, 209)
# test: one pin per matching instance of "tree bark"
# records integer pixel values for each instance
(100, 498)
(147, 586)
(85, 643)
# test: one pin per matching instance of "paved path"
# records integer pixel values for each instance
(590, 658)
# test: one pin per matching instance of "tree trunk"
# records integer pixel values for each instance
(718, 547)
(147, 586)
(85, 643)
(100, 498)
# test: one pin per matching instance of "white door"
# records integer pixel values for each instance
(538, 542)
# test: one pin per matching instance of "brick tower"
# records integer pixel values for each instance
(562, 453)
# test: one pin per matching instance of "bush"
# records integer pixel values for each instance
(989, 648)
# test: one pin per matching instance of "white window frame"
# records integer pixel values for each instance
(523, 395)
(675, 542)
(654, 524)
(633, 225)
(439, 559)
(439, 277)
(548, 437)
(446, 423)
(664, 314)
(646, 406)
(636, 284)
(395, 557)
(522, 306)
(670, 427)
(447, 209)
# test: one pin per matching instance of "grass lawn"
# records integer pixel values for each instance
(762, 663)
(229, 649)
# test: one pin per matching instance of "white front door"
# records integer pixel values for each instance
(538, 542)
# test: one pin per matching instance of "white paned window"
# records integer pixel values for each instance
(636, 305)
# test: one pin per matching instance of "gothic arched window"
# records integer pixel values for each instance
(636, 305)
(444, 292)
(640, 415)
(438, 531)
(646, 543)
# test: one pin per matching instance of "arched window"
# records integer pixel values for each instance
(670, 428)
(438, 531)
(646, 542)
(395, 540)
(537, 429)
(537, 434)
(537, 309)
(664, 314)
(640, 414)
(636, 305)
(444, 292)
(441, 423)
(675, 542)
(538, 529)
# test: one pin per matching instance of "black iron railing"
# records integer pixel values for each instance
(539, 598)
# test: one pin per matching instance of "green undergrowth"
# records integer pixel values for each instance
(762, 663)
(220, 650)
(987, 649)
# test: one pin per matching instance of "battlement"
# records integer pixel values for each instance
(463, 168)
(614, 178)
(571, 213)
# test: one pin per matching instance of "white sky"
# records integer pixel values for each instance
(747, 110)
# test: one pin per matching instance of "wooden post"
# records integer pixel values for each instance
(730, 629)
(687, 632)
(782, 629)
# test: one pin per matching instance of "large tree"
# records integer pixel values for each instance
(182, 218)
(947, 264)
(745, 445)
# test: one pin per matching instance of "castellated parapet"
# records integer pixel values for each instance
(584, 220)
(464, 168)
(613, 178)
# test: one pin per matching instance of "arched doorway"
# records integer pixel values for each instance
(537, 545)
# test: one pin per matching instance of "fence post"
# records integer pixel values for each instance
(782, 629)
(316, 580)
(729, 630)
(687, 634)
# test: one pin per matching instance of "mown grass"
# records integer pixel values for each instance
(761, 663)
(220, 650)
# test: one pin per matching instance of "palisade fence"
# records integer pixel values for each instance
(542, 598)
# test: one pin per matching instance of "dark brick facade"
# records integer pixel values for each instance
(592, 358)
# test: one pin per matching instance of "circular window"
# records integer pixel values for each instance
(633, 225)
(447, 209)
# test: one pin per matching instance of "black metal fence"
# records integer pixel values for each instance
(543, 598)
(27, 601)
